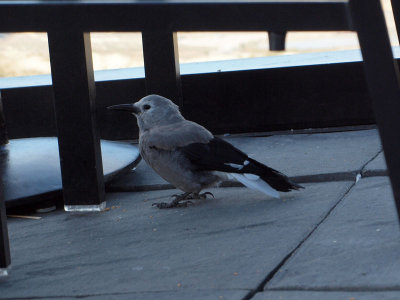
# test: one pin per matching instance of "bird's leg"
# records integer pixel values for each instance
(185, 196)
(202, 196)
(176, 202)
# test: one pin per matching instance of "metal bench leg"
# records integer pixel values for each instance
(396, 15)
(3, 130)
(383, 81)
(161, 64)
(78, 138)
(5, 259)
(277, 40)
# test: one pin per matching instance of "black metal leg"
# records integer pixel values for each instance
(78, 138)
(277, 40)
(161, 64)
(383, 81)
(396, 15)
(5, 259)
(3, 130)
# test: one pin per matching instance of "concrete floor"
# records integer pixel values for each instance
(336, 239)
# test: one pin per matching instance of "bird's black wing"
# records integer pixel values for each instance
(216, 155)
(219, 155)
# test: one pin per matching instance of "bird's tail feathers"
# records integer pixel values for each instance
(274, 178)
(256, 183)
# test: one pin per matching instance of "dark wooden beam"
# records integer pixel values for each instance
(382, 75)
(277, 40)
(187, 15)
(3, 129)
(161, 64)
(396, 15)
(74, 102)
(5, 258)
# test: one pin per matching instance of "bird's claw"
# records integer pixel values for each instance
(179, 200)
(180, 197)
(161, 204)
(184, 204)
(204, 195)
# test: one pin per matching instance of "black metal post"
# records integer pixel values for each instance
(277, 40)
(396, 15)
(161, 64)
(383, 81)
(78, 138)
(3, 131)
(5, 259)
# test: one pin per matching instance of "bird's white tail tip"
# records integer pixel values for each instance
(256, 183)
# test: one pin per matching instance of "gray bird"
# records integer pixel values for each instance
(188, 156)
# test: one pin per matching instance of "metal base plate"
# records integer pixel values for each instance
(85, 208)
(31, 172)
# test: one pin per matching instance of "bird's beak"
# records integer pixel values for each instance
(125, 107)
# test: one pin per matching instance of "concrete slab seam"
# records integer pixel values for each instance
(373, 173)
(363, 171)
(314, 178)
(270, 275)
(82, 296)
(282, 263)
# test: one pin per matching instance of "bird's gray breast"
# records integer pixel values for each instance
(170, 165)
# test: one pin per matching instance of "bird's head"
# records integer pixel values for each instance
(151, 111)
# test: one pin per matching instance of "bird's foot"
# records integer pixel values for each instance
(177, 202)
(202, 196)
(182, 200)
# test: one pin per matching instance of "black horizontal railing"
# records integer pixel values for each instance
(170, 15)
(236, 96)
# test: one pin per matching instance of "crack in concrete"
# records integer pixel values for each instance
(373, 173)
(271, 274)
(83, 296)
(370, 160)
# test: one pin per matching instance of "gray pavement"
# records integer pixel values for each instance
(336, 239)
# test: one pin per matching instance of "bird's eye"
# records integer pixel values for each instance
(146, 107)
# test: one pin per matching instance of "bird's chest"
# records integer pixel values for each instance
(170, 165)
(152, 155)
(164, 162)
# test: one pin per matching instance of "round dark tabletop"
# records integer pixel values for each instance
(30, 167)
